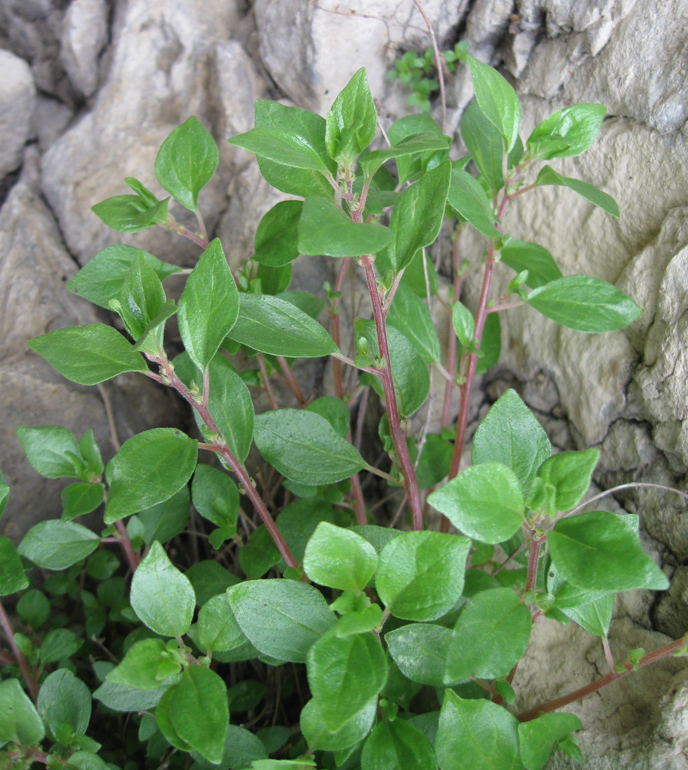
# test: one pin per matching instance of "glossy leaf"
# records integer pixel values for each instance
(490, 636)
(12, 576)
(600, 551)
(490, 345)
(20, 722)
(585, 304)
(567, 132)
(209, 305)
(305, 448)
(351, 122)
(130, 214)
(88, 354)
(339, 558)
(399, 745)
(140, 298)
(539, 736)
(287, 148)
(548, 176)
(64, 698)
(485, 145)
(316, 732)
(569, 474)
(541, 267)
(483, 501)
(467, 197)
(52, 451)
(275, 243)
(161, 595)
(414, 144)
(58, 544)
(463, 323)
(149, 468)
(186, 162)
(497, 100)
(410, 315)
(80, 498)
(325, 229)
(420, 651)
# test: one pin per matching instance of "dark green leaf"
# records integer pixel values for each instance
(80, 498)
(539, 736)
(130, 214)
(259, 554)
(149, 469)
(541, 267)
(12, 576)
(34, 608)
(325, 229)
(397, 745)
(121, 697)
(305, 448)
(218, 629)
(52, 451)
(435, 461)
(485, 144)
(298, 522)
(334, 410)
(585, 304)
(186, 162)
(339, 558)
(284, 147)
(246, 695)
(497, 100)
(20, 722)
(548, 176)
(140, 300)
(414, 144)
(490, 636)
(317, 734)
(351, 121)
(242, 748)
(409, 315)
(601, 552)
(511, 435)
(420, 651)
(209, 305)
(166, 520)
(4, 493)
(273, 280)
(490, 345)
(305, 301)
(161, 596)
(64, 698)
(567, 132)
(87, 760)
(102, 565)
(209, 579)
(276, 238)
(470, 200)
(421, 574)
(59, 643)
(281, 618)
(88, 354)
(215, 496)
(414, 277)
(58, 544)
(483, 501)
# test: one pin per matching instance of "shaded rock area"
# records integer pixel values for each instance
(89, 90)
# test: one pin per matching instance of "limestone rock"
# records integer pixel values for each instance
(17, 102)
(83, 37)
(671, 613)
(51, 119)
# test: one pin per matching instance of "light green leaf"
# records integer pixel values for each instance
(339, 558)
(218, 629)
(420, 651)
(414, 144)
(20, 722)
(569, 474)
(80, 498)
(64, 698)
(276, 238)
(284, 147)
(139, 666)
(409, 315)
(52, 451)
(121, 697)
(463, 323)
(59, 643)
(467, 197)
(539, 736)
(12, 576)
(351, 122)
(130, 213)
(140, 299)
(548, 176)
(541, 267)
(397, 745)
(485, 145)
(567, 132)
(316, 732)
(58, 544)
(497, 100)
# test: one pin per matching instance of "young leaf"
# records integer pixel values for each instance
(277, 327)
(409, 315)
(511, 435)
(287, 148)
(325, 229)
(317, 734)
(600, 551)
(186, 162)
(538, 737)
(585, 304)
(420, 651)
(399, 745)
(421, 574)
(490, 636)
(485, 144)
(351, 123)
(483, 501)
(467, 197)
(413, 144)
(281, 618)
(58, 544)
(463, 323)
(567, 132)
(548, 176)
(80, 498)
(139, 666)
(497, 100)
(20, 722)
(161, 596)
(490, 345)
(140, 298)
(130, 214)
(476, 734)
(344, 674)
(12, 576)
(88, 354)
(305, 448)
(64, 698)
(149, 468)
(541, 267)
(209, 305)
(275, 243)
(569, 474)
(52, 451)
(339, 558)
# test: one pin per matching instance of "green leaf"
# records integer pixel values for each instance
(334, 410)
(215, 496)
(80, 498)
(420, 651)
(485, 145)
(273, 280)
(34, 608)
(241, 749)
(121, 697)
(305, 301)
(199, 711)
(585, 304)
(58, 544)
(414, 277)
(497, 100)
(399, 745)
(88, 354)
(130, 214)
(166, 520)
(246, 695)
(277, 327)
(259, 554)
(20, 721)
(140, 299)
(548, 176)
(64, 698)
(87, 760)
(476, 734)
(413, 144)
(339, 558)
(404, 129)
(287, 148)
(601, 551)
(595, 615)
(351, 122)
(161, 596)
(218, 629)
(276, 238)
(149, 468)
(155, 328)
(420, 575)
(52, 451)
(511, 435)
(569, 474)
(281, 618)
(101, 279)
(490, 636)
(298, 521)
(539, 736)
(12, 576)
(567, 132)
(186, 162)
(316, 732)
(102, 565)
(326, 230)
(435, 461)
(522, 255)
(463, 323)
(409, 315)
(209, 305)
(163, 720)
(467, 197)
(4, 493)
(209, 579)
(59, 643)
(139, 667)
(344, 674)
(483, 501)
(417, 216)
(305, 448)
(490, 345)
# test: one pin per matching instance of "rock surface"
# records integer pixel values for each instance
(84, 36)
(17, 102)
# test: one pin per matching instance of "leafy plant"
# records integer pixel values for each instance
(415, 72)
(348, 644)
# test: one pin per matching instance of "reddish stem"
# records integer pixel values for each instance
(451, 360)
(30, 680)
(125, 542)
(291, 381)
(336, 334)
(266, 381)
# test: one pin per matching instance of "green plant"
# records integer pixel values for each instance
(365, 646)
(415, 72)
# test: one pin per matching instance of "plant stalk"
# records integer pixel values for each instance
(30, 680)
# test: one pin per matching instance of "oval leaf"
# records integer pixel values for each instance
(58, 544)
(339, 558)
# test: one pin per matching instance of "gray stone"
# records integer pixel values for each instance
(51, 119)
(17, 102)
(84, 36)
(671, 612)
